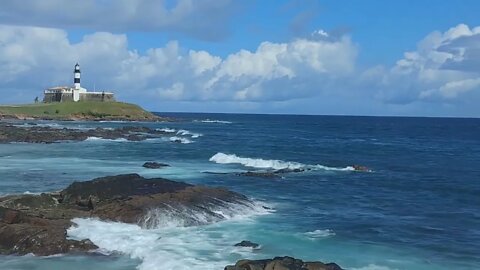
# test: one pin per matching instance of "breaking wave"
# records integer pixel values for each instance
(373, 267)
(184, 132)
(320, 234)
(180, 140)
(93, 139)
(215, 121)
(117, 121)
(53, 126)
(181, 216)
(31, 193)
(180, 132)
(169, 244)
(166, 130)
(259, 163)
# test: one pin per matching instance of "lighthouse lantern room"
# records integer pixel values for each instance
(76, 80)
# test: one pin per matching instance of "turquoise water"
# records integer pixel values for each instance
(418, 209)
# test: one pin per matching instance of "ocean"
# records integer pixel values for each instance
(418, 208)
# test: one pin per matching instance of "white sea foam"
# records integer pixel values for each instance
(320, 234)
(215, 121)
(93, 139)
(179, 249)
(255, 162)
(166, 130)
(50, 125)
(31, 193)
(259, 163)
(373, 267)
(180, 140)
(53, 126)
(178, 216)
(170, 245)
(184, 132)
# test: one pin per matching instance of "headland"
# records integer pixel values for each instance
(82, 110)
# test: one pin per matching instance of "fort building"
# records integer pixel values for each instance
(75, 92)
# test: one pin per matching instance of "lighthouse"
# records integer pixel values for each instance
(76, 77)
(76, 92)
(76, 82)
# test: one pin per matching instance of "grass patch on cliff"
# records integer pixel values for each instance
(82, 109)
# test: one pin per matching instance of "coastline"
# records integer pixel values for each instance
(47, 224)
(37, 224)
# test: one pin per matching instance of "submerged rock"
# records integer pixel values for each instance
(154, 165)
(271, 174)
(246, 243)
(37, 223)
(259, 174)
(280, 171)
(361, 168)
(281, 263)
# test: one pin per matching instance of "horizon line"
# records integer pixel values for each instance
(328, 115)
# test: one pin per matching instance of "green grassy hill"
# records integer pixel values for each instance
(83, 110)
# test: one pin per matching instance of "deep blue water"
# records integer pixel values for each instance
(419, 208)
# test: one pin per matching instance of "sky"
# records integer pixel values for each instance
(326, 57)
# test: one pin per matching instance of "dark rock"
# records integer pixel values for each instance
(134, 138)
(37, 223)
(259, 174)
(135, 129)
(361, 168)
(154, 165)
(281, 263)
(215, 173)
(22, 234)
(289, 171)
(271, 174)
(245, 243)
(322, 266)
(105, 188)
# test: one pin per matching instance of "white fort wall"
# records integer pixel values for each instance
(68, 96)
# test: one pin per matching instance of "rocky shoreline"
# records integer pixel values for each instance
(84, 117)
(37, 224)
(10, 133)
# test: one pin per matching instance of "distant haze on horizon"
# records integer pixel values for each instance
(325, 57)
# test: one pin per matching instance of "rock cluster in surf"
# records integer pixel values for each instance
(248, 244)
(154, 165)
(37, 223)
(40, 134)
(282, 263)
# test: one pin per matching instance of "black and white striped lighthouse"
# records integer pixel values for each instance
(76, 77)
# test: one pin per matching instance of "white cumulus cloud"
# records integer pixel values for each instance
(204, 19)
(445, 67)
(33, 58)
